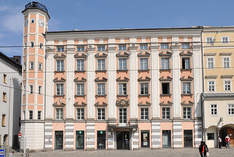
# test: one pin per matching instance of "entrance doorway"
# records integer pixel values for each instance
(188, 138)
(58, 139)
(122, 140)
(145, 138)
(227, 131)
(166, 138)
(80, 139)
(101, 140)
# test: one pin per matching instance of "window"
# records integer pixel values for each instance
(186, 88)
(4, 78)
(144, 64)
(210, 136)
(165, 63)
(144, 114)
(144, 46)
(122, 47)
(210, 63)
(166, 113)
(80, 89)
(185, 45)
(211, 86)
(80, 64)
(144, 89)
(225, 40)
(164, 46)
(41, 45)
(39, 115)
(226, 62)
(80, 48)
(40, 66)
(39, 90)
(122, 64)
(213, 109)
(4, 99)
(31, 65)
(59, 89)
(30, 114)
(185, 63)
(122, 115)
(101, 64)
(80, 113)
(59, 113)
(101, 89)
(60, 48)
(3, 120)
(210, 40)
(31, 89)
(101, 113)
(32, 20)
(25, 66)
(32, 44)
(187, 112)
(122, 88)
(101, 47)
(165, 88)
(227, 85)
(231, 109)
(60, 65)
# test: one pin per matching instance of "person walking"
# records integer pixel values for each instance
(203, 149)
(227, 140)
(220, 142)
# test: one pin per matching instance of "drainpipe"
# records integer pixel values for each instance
(44, 88)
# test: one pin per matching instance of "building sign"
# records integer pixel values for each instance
(2, 152)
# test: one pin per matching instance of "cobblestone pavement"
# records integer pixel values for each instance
(136, 153)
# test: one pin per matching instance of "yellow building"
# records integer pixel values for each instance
(218, 97)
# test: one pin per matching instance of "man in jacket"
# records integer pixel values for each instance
(203, 149)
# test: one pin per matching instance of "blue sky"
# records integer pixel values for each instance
(108, 14)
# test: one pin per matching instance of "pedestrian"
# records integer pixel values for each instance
(203, 149)
(220, 142)
(227, 140)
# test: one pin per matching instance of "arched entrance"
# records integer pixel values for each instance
(227, 130)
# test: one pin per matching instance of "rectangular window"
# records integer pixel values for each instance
(144, 46)
(144, 88)
(213, 109)
(231, 109)
(165, 63)
(59, 113)
(60, 48)
(4, 78)
(39, 90)
(210, 63)
(186, 88)
(80, 89)
(122, 47)
(185, 45)
(31, 115)
(40, 66)
(226, 62)
(101, 89)
(101, 47)
(164, 46)
(122, 115)
(210, 40)
(39, 115)
(165, 88)
(144, 64)
(187, 112)
(122, 88)
(210, 136)
(166, 113)
(185, 63)
(59, 89)
(60, 65)
(101, 113)
(227, 85)
(31, 89)
(122, 64)
(80, 113)
(101, 64)
(80, 64)
(144, 114)
(80, 48)
(211, 86)
(4, 98)
(225, 40)
(3, 120)
(32, 44)
(31, 65)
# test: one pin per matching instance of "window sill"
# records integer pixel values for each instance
(100, 96)
(122, 95)
(103, 71)
(122, 70)
(186, 70)
(186, 94)
(164, 95)
(79, 96)
(80, 71)
(144, 95)
(143, 70)
(59, 95)
(166, 70)
(59, 71)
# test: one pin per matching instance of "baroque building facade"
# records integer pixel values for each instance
(110, 89)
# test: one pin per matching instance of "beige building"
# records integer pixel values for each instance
(218, 97)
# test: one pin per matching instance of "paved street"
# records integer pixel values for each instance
(137, 153)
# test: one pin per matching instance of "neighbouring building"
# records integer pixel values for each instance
(110, 89)
(218, 97)
(10, 98)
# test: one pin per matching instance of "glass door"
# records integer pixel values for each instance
(101, 140)
(166, 138)
(80, 139)
(188, 138)
(58, 139)
(144, 138)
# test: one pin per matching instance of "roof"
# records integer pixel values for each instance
(11, 62)
(36, 5)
